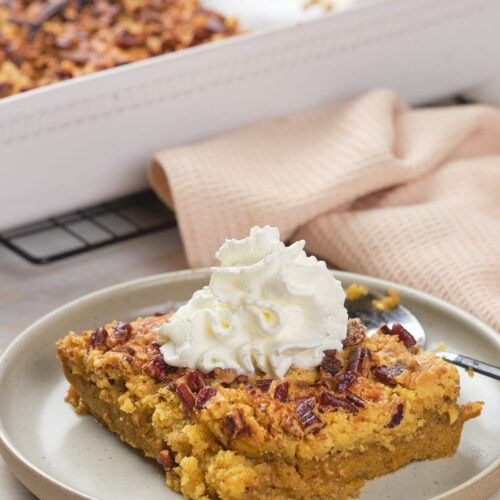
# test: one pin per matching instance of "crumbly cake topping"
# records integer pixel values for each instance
(374, 384)
(368, 409)
(43, 42)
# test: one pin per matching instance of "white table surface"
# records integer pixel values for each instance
(27, 292)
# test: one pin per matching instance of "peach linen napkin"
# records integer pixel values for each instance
(373, 186)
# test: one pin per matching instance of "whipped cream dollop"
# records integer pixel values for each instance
(267, 306)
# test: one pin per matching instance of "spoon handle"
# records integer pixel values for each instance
(473, 364)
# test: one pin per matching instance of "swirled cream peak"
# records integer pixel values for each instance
(267, 306)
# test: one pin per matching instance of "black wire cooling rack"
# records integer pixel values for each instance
(84, 230)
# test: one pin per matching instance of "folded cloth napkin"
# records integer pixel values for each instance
(374, 187)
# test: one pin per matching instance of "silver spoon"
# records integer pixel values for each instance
(372, 318)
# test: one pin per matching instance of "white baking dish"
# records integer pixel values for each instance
(88, 139)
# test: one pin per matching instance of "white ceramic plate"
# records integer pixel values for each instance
(58, 454)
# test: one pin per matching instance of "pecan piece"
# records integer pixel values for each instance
(356, 333)
(166, 459)
(385, 329)
(157, 368)
(330, 362)
(186, 396)
(386, 374)
(204, 396)
(281, 391)
(354, 398)
(263, 384)
(130, 361)
(397, 417)
(327, 399)
(404, 335)
(158, 313)
(359, 361)
(345, 380)
(126, 40)
(99, 337)
(129, 350)
(235, 423)
(195, 380)
(122, 331)
(306, 416)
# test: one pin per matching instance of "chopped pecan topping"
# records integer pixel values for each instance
(356, 333)
(158, 313)
(48, 11)
(281, 391)
(204, 396)
(122, 331)
(327, 399)
(63, 42)
(306, 416)
(330, 362)
(345, 380)
(129, 350)
(166, 459)
(99, 337)
(300, 399)
(126, 40)
(130, 361)
(397, 417)
(186, 396)
(359, 361)
(263, 384)
(195, 380)
(235, 423)
(354, 398)
(157, 368)
(386, 374)
(385, 329)
(242, 379)
(404, 335)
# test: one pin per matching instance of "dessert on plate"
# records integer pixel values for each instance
(260, 386)
(46, 41)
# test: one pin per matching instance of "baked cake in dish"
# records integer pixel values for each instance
(365, 409)
(46, 41)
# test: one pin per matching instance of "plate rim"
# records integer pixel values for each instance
(22, 468)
